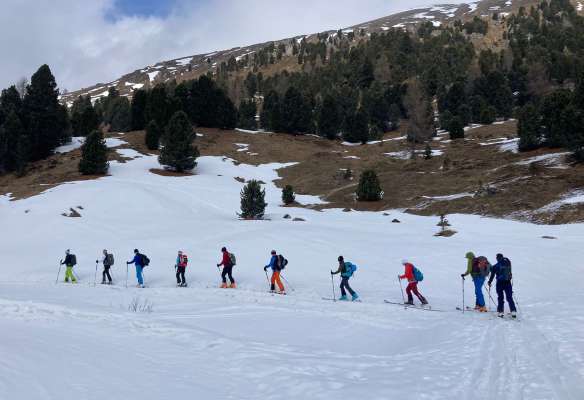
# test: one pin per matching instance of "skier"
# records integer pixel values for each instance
(181, 264)
(138, 261)
(502, 270)
(410, 275)
(227, 264)
(346, 269)
(107, 262)
(70, 261)
(276, 269)
(478, 268)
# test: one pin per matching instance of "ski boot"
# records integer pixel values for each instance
(501, 315)
(424, 301)
(343, 298)
(223, 285)
(354, 297)
(514, 314)
(409, 303)
(103, 282)
(233, 286)
(483, 309)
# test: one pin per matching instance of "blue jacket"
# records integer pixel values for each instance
(274, 264)
(137, 260)
(501, 270)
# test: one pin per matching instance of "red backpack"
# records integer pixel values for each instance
(183, 261)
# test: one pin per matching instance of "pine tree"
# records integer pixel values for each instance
(253, 204)
(178, 152)
(369, 188)
(271, 115)
(357, 127)
(83, 117)
(421, 116)
(45, 122)
(329, 118)
(138, 117)
(120, 115)
(157, 107)
(296, 113)
(153, 135)
(288, 196)
(455, 129)
(247, 115)
(529, 128)
(15, 141)
(94, 155)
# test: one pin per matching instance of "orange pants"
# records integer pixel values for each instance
(276, 280)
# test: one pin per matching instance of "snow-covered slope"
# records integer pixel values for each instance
(81, 342)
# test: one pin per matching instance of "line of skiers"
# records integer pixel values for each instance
(478, 268)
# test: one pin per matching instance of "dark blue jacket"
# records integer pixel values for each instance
(502, 270)
(274, 264)
(137, 260)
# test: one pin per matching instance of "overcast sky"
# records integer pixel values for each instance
(90, 41)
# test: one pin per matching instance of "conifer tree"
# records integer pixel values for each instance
(253, 204)
(178, 152)
(120, 115)
(421, 116)
(153, 135)
(329, 118)
(45, 121)
(138, 117)
(288, 196)
(15, 142)
(529, 128)
(369, 188)
(455, 129)
(84, 119)
(296, 113)
(271, 116)
(247, 115)
(428, 152)
(94, 155)
(357, 127)
(157, 106)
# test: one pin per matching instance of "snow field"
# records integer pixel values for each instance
(80, 341)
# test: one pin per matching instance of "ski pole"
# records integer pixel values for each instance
(513, 295)
(490, 297)
(95, 275)
(287, 283)
(268, 279)
(463, 308)
(333, 284)
(402, 289)
(59, 273)
(127, 275)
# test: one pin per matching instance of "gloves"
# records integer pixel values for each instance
(332, 273)
(462, 276)
(218, 265)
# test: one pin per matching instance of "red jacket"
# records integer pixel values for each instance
(409, 273)
(226, 261)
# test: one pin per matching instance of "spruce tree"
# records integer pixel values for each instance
(120, 115)
(253, 204)
(46, 124)
(153, 135)
(94, 155)
(288, 196)
(529, 128)
(178, 152)
(329, 118)
(296, 112)
(15, 141)
(247, 115)
(455, 129)
(138, 117)
(357, 127)
(84, 119)
(157, 107)
(271, 115)
(369, 188)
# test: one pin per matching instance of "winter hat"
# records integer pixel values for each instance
(104, 251)
(223, 249)
(136, 251)
(273, 252)
(499, 257)
(404, 261)
(67, 251)
(470, 254)
(180, 252)
(341, 258)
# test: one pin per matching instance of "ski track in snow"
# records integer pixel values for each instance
(80, 341)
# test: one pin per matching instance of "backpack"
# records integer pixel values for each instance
(350, 269)
(481, 267)
(505, 269)
(145, 260)
(184, 260)
(418, 275)
(109, 260)
(282, 262)
(232, 259)
(73, 259)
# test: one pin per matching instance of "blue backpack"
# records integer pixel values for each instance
(418, 275)
(350, 269)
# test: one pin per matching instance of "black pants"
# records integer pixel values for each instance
(180, 274)
(345, 285)
(505, 289)
(106, 273)
(227, 269)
